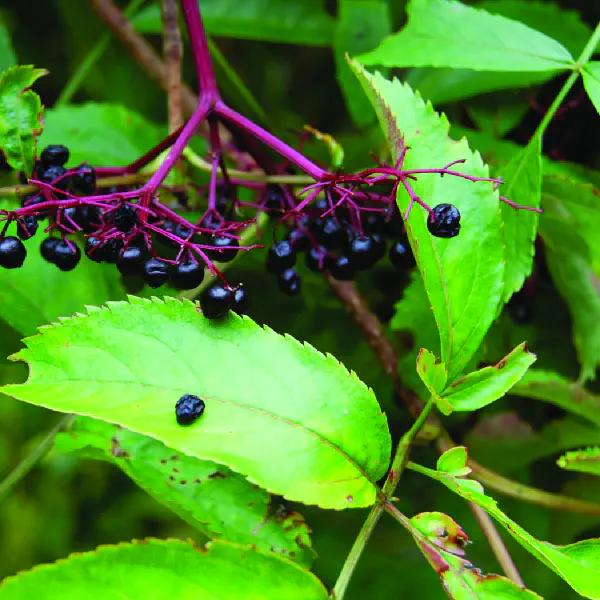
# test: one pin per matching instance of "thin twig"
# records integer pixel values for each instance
(172, 50)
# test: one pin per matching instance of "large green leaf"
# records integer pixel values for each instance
(442, 540)
(584, 461)
(209, 496)
(578, 564)
(523, 176)
(163, 570)
(101, 134)
(39, 292)
(446, 33)
(300, 22)
(360, 27)
(591, 80)
(7, 52)
(20, 116)
(553, 388)
(294, 421)
(463, 276)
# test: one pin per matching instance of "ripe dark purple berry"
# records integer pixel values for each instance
(188, 409)
(27, 227)
(241, 300)
(84, 181)
(47, 248)
(299, 240)
(125, 218)
(379, 244)
(373, 222)
(155, 272)
(218, 254)
(51, 174)
(216, 301)
(131, 261)
(274, 199)
(66, 255)
(315, 259)
(363, 252)
(328, 231)
(401, 256)
(94, 249)
(340, 268)
(88, 218)
(289, 282)
(445, 221)
(281, 256)
(54, 155)
(112, 250)
(12, 252)
(187, 275)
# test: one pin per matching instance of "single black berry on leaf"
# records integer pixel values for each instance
(93, 248)
(445, 221)
(220, 242)
(155, 272)
(289, 282)
(12, 252)
(281, 256)
(66, 255)
(315, 259)
(216, 301)
(363, 252)
(125, 218)
(329, 232)
(27, 227)
(112, 250)
(401, 256)
(131, 261)
(240, 301)
(188, 409)
(47, 248)
(54, 155)
(187, 275)
(340, 268)
(84, 180)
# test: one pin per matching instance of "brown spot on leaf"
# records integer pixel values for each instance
(174, 457)
(501, 364)
(183, 482)
(197, 480)
(171, 478)
(217, 475)
(175, 470)
(163, 461)
(350, 499)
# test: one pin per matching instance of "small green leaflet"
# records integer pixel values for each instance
(209, 496)
(163, 570)
(463, 276)
(591, 81)
(293, 420)
(20, 116)
(434, 376)
(585, 461)
(454, 461)
(446, 33)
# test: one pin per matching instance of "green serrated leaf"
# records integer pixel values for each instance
(302, 22)
(209, 496)
(20, 116)
(360, 27)
(446, 33)
(294, 421)
(463, 276)
(591, 81)
(584, 461)
(482, 387)
(99, 133)
(578, 564)
(454, 461)
(434, 376)
(556, 389)
(523, 176)
(23, 304)
(163, 570)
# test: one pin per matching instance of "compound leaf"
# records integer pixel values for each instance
(293, 420)
(209, 496)
(163, 570)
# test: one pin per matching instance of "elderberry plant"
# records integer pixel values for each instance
(221, 419)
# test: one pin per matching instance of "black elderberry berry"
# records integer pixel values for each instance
(240, 301)
(289, 282)
(315, 259)
(223, 199)
(156, 272)
(216, 301)
(379, 245)
(66, 255)
(374, 222)
(187, 275)
(219, 242)
(51, 174)
(47, 248)
(88, 218)
(394, 224)
(281, 256)
(125, 218)
(363, 252)
(84, 180)
(112, 250)
(329, 232)
(94, 249)
(320, 206)
(131, 261)
(188, 409)
(445, 221)
(27, 227)
(12, 252)
(340, 268)
(183, 231)
(54, 155)
(299, 240)
(401, 256)
(274, 198)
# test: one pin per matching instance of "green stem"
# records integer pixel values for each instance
(32, 459)
(91, 59)
(398, 464)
